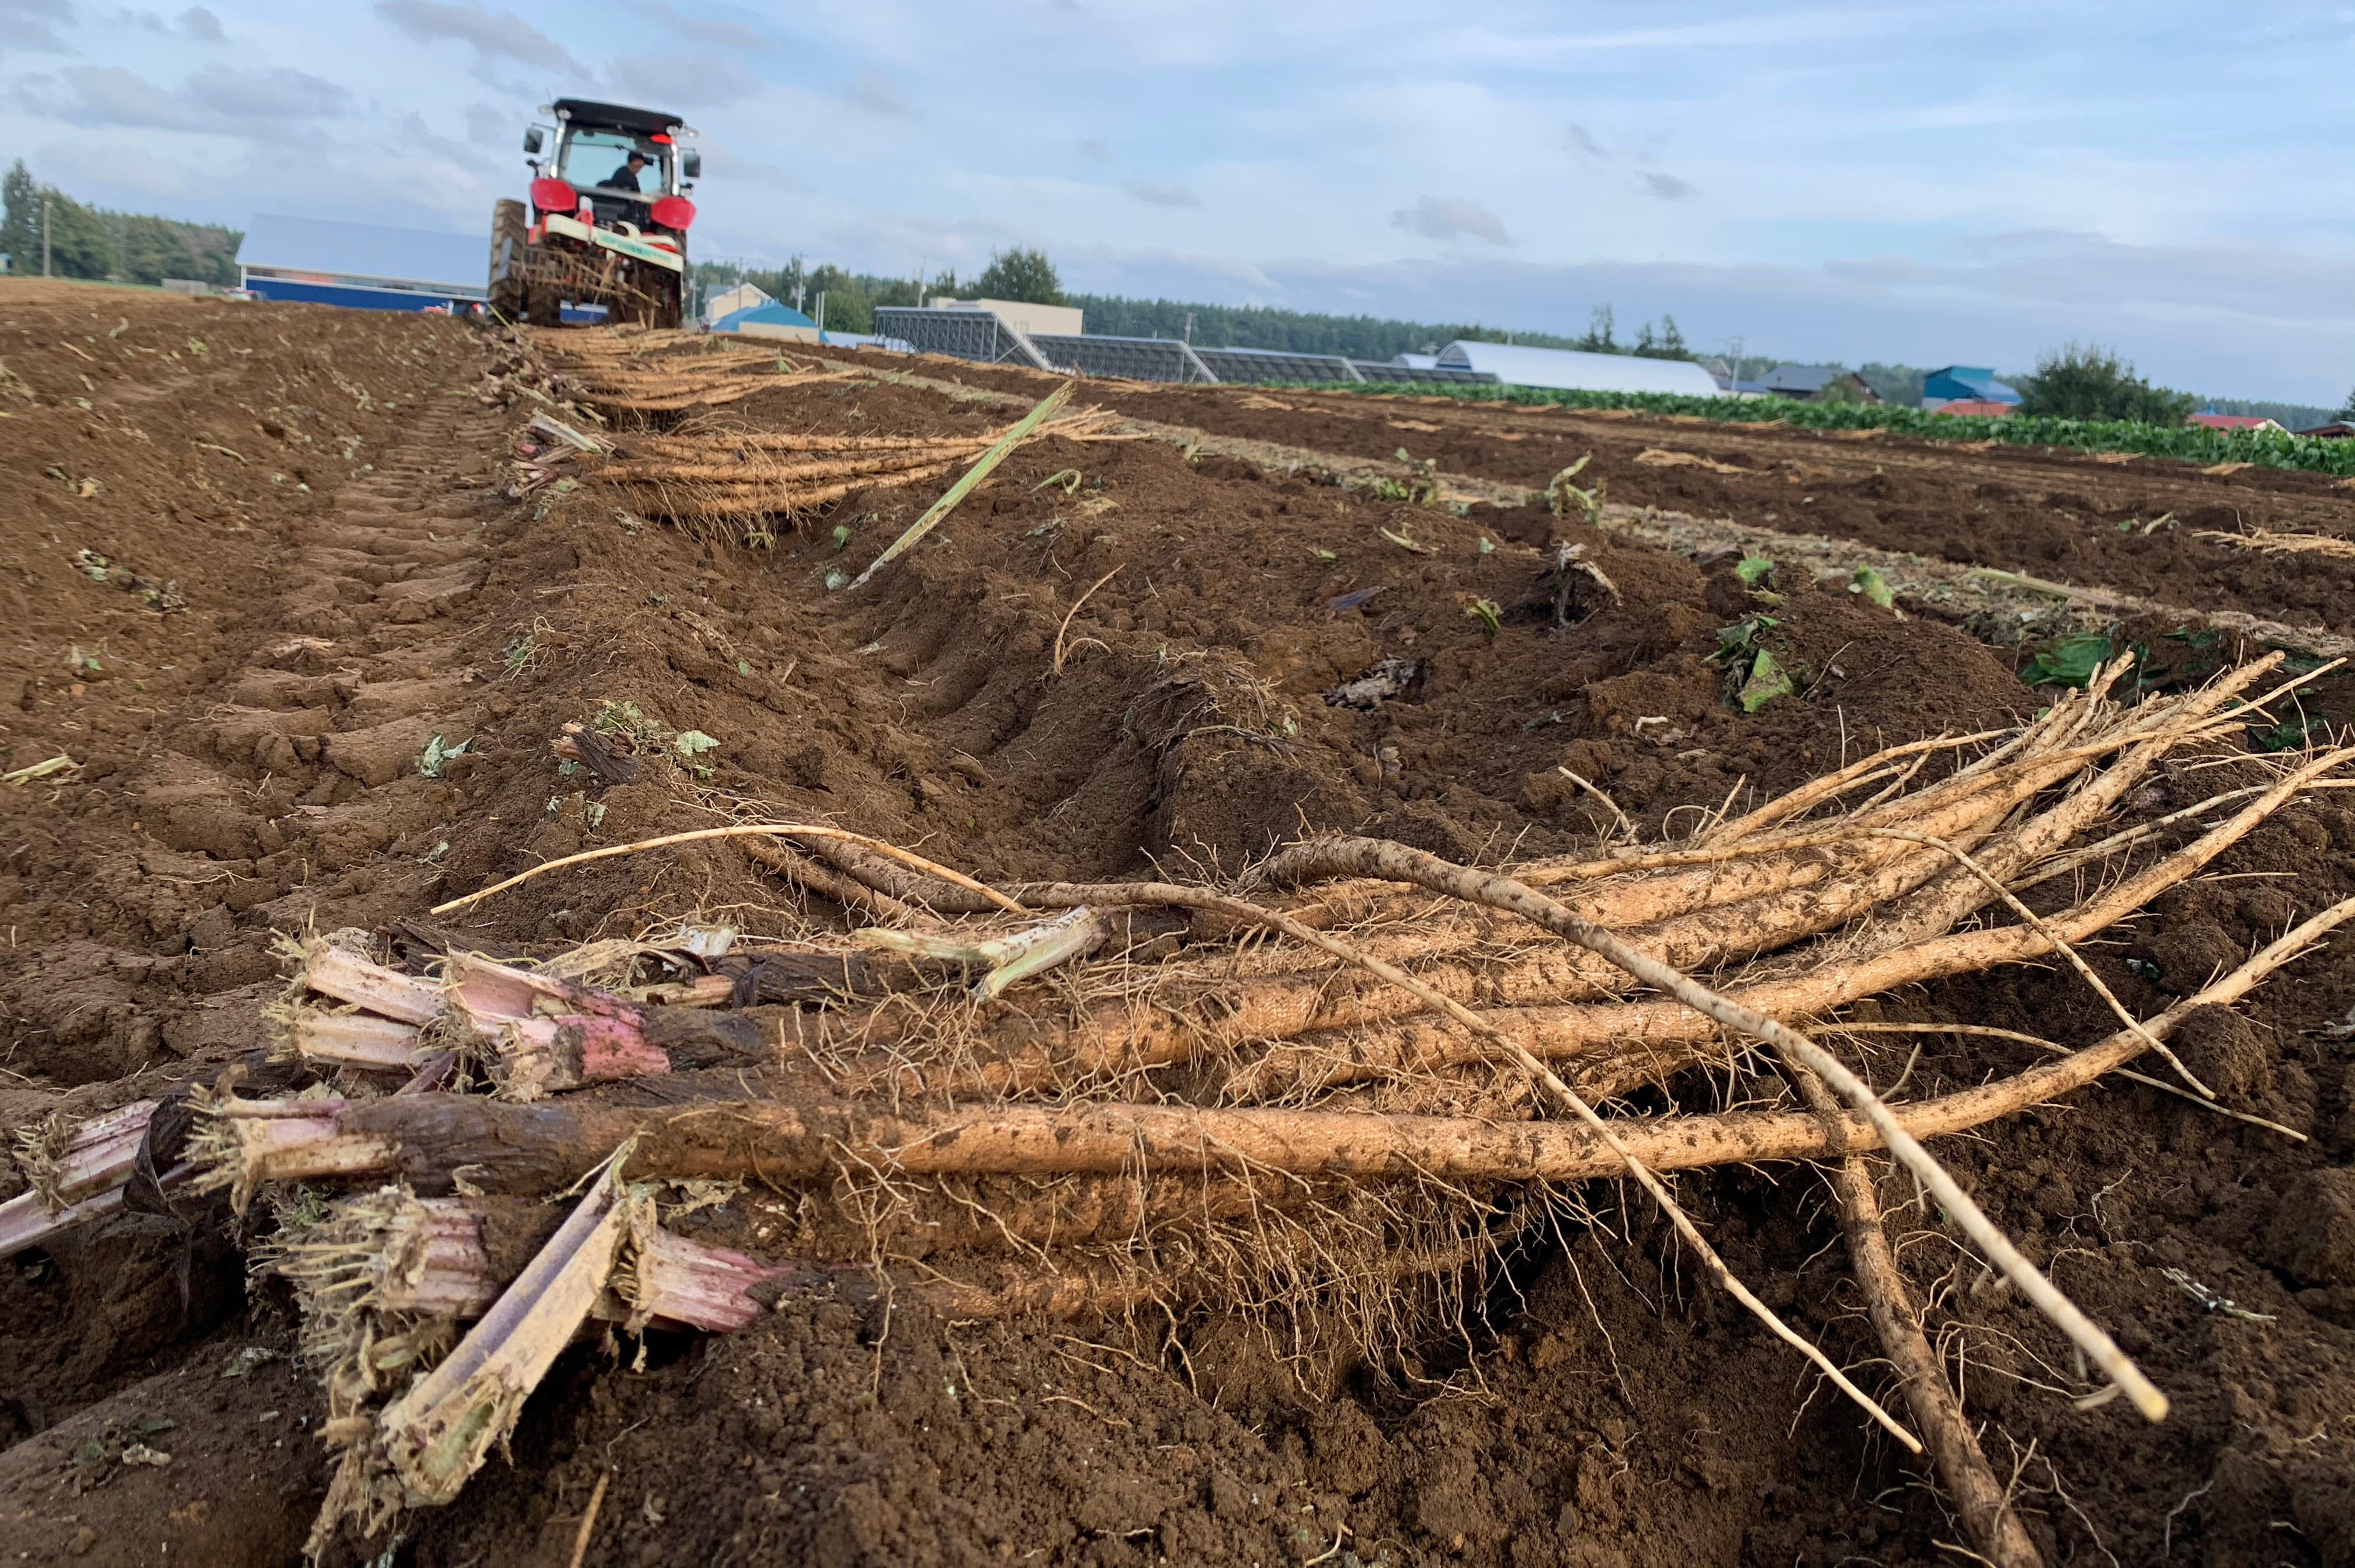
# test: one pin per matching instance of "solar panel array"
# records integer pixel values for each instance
(1275, 365)
(1137, 358)
(965, 333)
(982, 335)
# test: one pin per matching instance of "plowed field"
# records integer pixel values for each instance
(260, 563)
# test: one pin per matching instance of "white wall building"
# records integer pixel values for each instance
(1057, 320)
(1518, 366)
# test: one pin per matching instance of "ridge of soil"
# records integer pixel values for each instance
(2078, 517)
(1607, 1406)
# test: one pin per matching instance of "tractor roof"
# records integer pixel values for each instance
(616, 116)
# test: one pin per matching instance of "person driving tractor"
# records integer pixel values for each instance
(626, 177)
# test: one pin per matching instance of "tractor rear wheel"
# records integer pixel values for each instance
(542, 305)
(667, 311)
(507, 246)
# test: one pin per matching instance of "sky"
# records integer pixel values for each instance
(1927, 184)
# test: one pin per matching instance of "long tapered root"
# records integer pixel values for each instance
(1356, 1069)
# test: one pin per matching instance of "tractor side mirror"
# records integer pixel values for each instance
(690, 164)
(533, 141)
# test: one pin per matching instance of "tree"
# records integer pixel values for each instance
(2347, 410)
(1841, 389)
(1598, 339)
(2087, 381)
(20, 230)
(1667, 344)
(1019, 274)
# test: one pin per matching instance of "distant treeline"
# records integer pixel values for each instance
(851, 299)
(2072, 383)
(121, 247)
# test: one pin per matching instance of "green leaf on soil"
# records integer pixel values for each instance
(1737, 638)
(693, 742)
(1873, 586)
(2291, 734)
(1768, 680)
(1753, 569)
(2071, 661)
(429, 761)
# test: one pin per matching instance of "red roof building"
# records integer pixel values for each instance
(2235, 421)
(1986, 408)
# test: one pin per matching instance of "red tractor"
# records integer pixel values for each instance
(607, 221)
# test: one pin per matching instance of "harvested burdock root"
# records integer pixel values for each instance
(78, 1170)
(386, 1279)
(1360, 1064)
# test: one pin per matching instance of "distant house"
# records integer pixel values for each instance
(1983, 408)
(769, 320)
(1804, 382)
(2234, 422)
(1964, 383)
(743, 296)
(1517, 365)
(2337, 430)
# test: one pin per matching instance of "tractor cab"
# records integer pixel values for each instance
(607, 218)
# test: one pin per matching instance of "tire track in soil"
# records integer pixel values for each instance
(297, 766)
(270, 805)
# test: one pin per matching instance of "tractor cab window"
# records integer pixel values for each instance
(600, 159)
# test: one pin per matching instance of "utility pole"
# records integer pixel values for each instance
(44, 236)
(1189, 328)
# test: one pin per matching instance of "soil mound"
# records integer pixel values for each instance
(322, 692)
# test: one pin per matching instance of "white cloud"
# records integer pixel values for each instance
(873, 92)
(1452, 217)
(487, 124)
(500, 34)
(711, 31)
(31, 26)
(202, 25)
(1158, 193)
(277, 93)
(215, 99)
(1667, 187)
(671, 82)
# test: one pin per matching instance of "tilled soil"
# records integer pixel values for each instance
(249, 746)
(2078, 517)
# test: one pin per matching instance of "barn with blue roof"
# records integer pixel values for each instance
(1964, 384)
(370, 265)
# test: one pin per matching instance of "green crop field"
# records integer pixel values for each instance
(2188, 443)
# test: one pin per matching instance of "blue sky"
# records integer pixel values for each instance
(1930, 183)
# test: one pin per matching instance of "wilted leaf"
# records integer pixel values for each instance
(1768, 680)
(2071, 661)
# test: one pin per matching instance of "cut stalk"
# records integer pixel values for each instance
(438, 1433)
(974, 476)
(338, 972)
